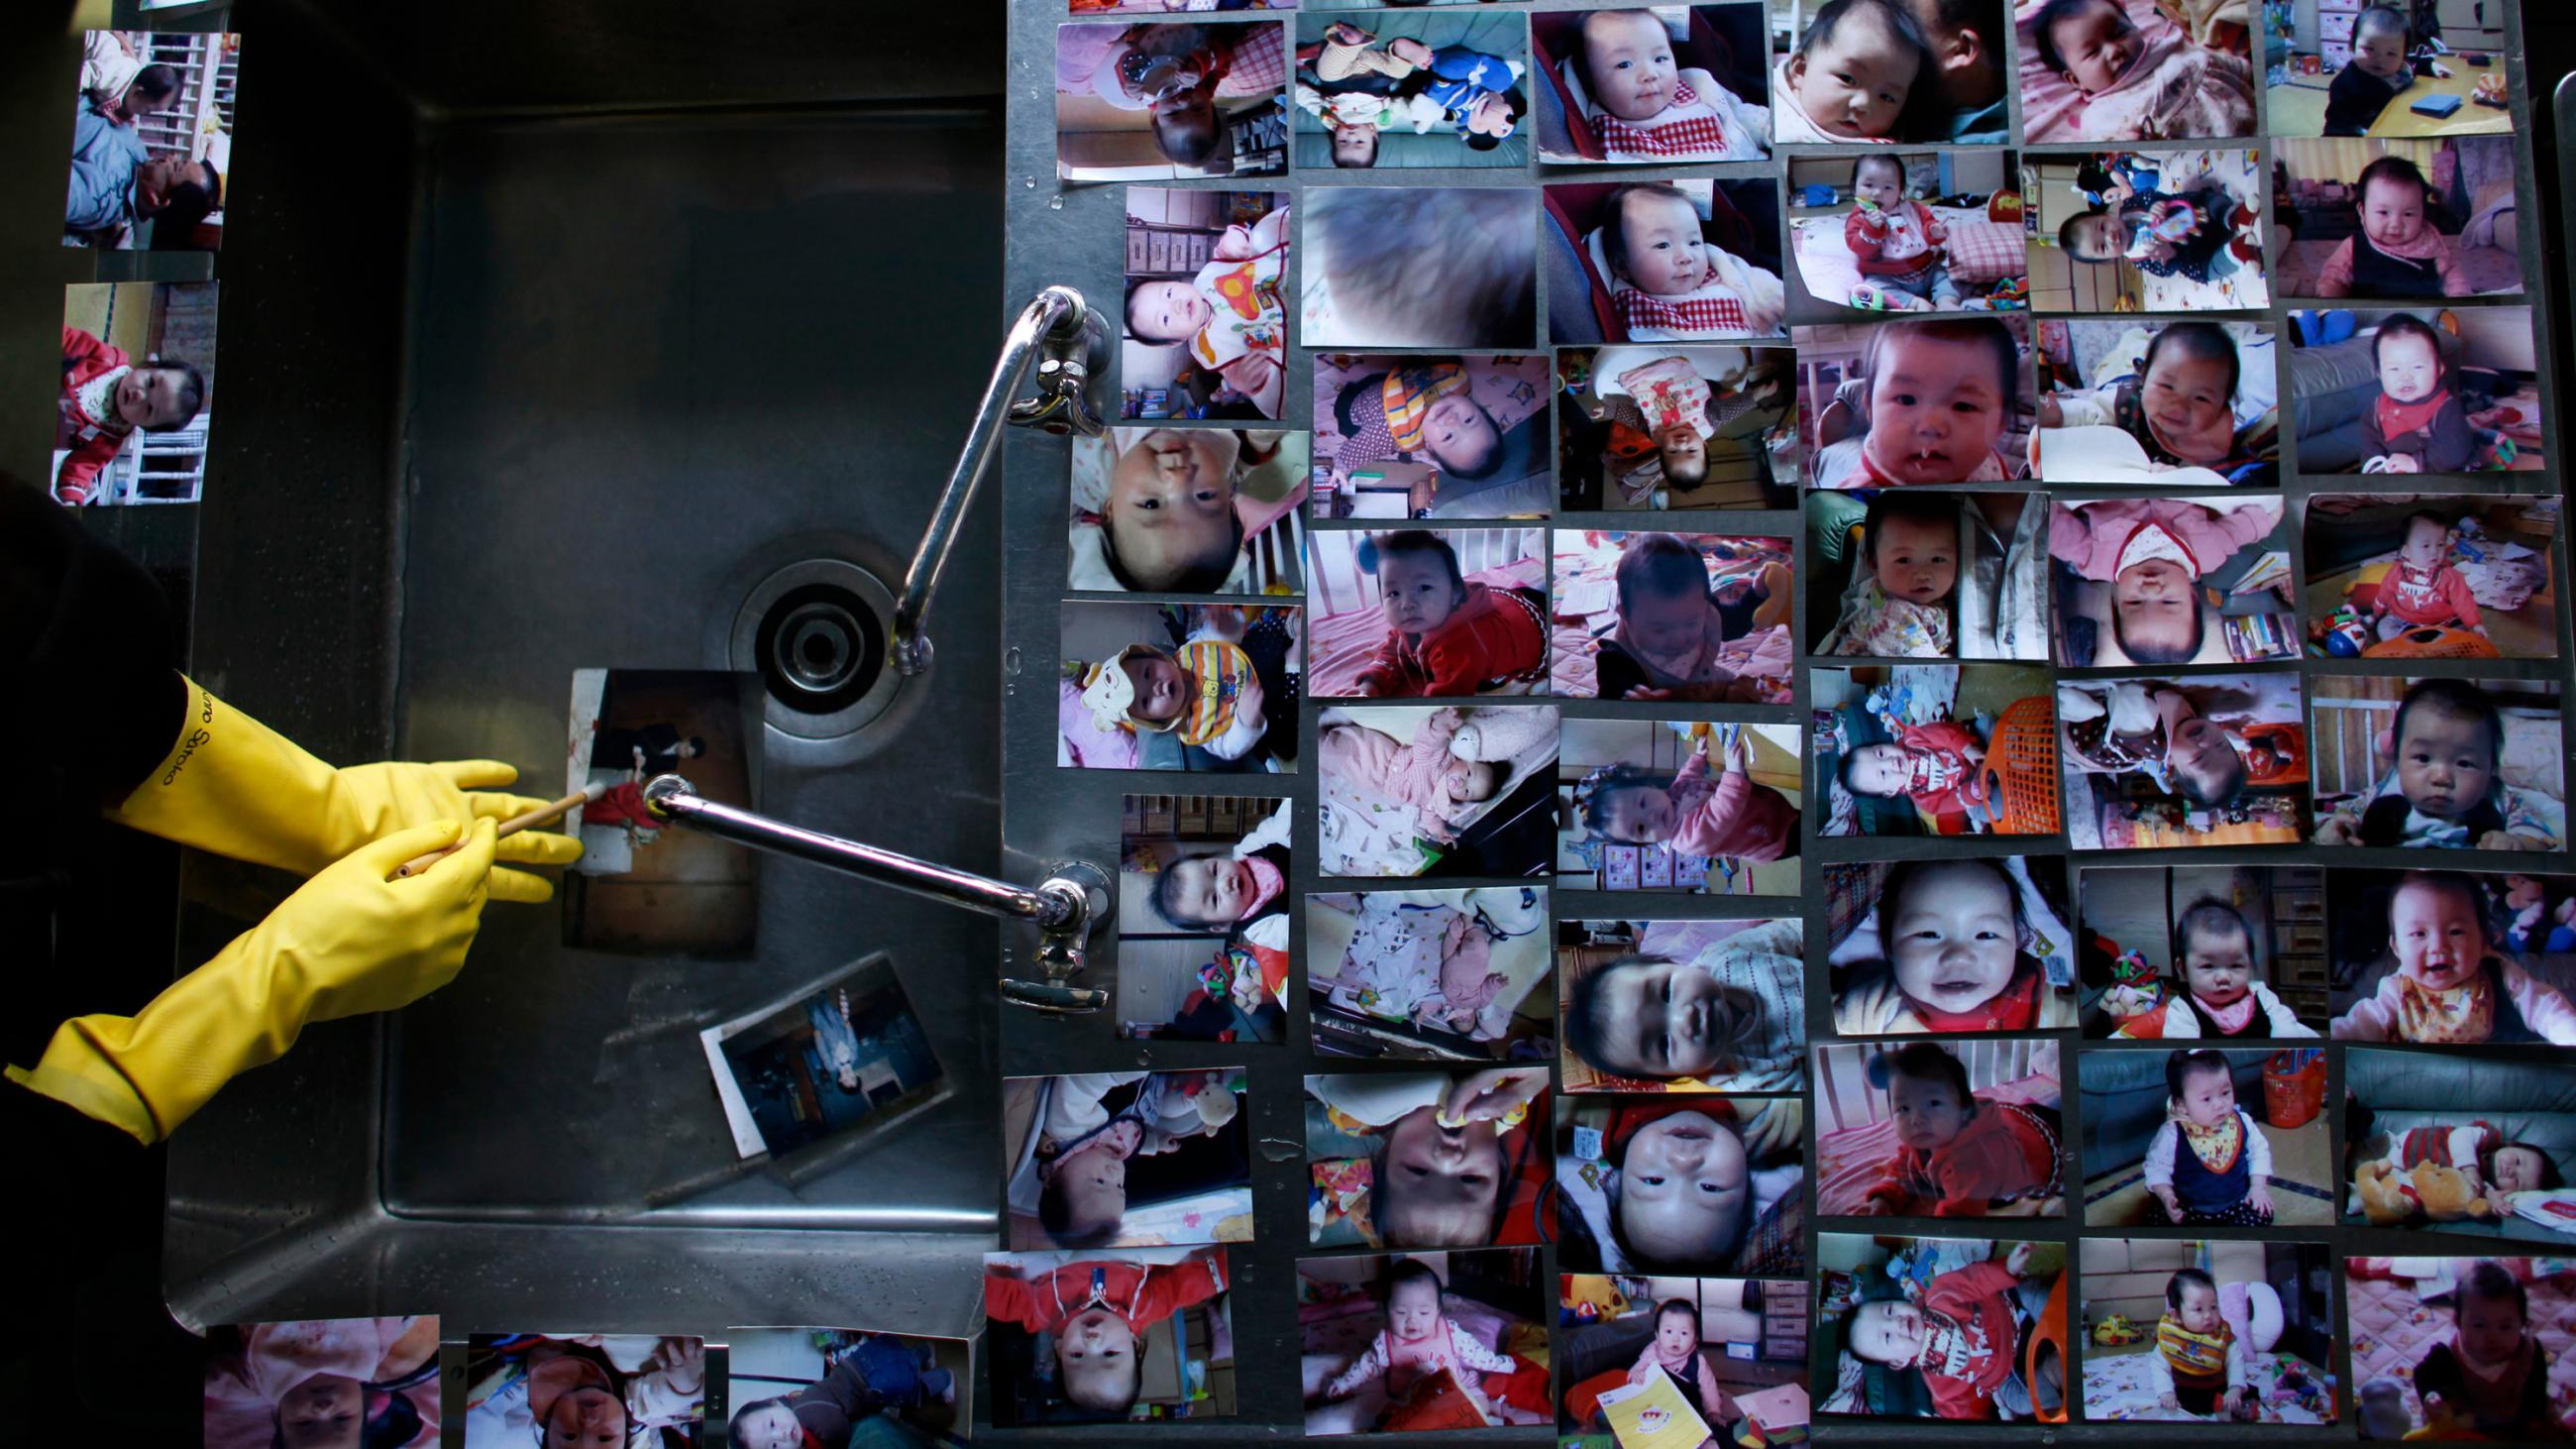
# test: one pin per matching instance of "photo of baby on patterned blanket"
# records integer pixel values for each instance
(2460, 1347)
(1456, 975)
(1686, 805)
(1927, 574)
(1447, 791)
(1431, 436)
(1943, 1328)
(2212, 1331)
(2135, 70)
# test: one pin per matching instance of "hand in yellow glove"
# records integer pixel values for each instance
(348, 941)
(236, 787)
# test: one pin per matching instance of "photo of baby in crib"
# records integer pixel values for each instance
(1186, 511)
(1682, 1006)
(2431, 576)
(1413, 613)
(1650, 1361)
(1455, 975)
(2154, 231)
(2209, 1331)
(2477, 1145)
(1400, 266)
(2460, 1348)
(2431, 390)
(1695, 618)
(1441, 1159)
(1681, 1184)
(1916, 400)
(2206, 1135)
(1203, 917)
(1948, 1129)
(615, 1388)
(1927, 574)
(2203, 952)
(2212, 759)
(1180, 98)
(1430, 437)
(1204, 328)
(2453, 958)
(1943, 1328)
(1907, 231)
(1675, 804)
(1394, 90)
(2440, 763)
(1109, 1335)
(2165, 405)
(373, 1381)
(1933, 749)
(134, 412)
(1660, 84)
(2200, 580)
(897, 1390)
(2135, 70)
(1688, 260)
(1126, 1159)
(2397, 219)
(642, 887)
(1436, 792)
(1207, 687)
(1411, 1342)
(1949, 945)
(1676, 427)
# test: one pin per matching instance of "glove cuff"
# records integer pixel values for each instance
(74, 1073)
(231, 785)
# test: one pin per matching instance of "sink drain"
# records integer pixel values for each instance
(816, 633)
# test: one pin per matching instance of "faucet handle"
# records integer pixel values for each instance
(1071, 357)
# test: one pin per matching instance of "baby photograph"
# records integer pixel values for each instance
(2389, 69)
(2440, 764)
(1907, 231)
(2476, 1145)
(1660, 84)
(2452, 958)
(1400, 437)
(136, 405)
(2203, 951)
(1439, 1159)
(2199, 1136)
(1946, 945)
(1651, 1360)
(1155, 101)
(1686, 260)
(1696, 618)
(2432, 576)
(2166, 405)
(1417, 613)
(1413, 1342)
(1681, 1184)
(1933, 749)
(1457, 975)
(1422, 88)
(1674, 804)
(2204, 1331)
(1940, 1129)
(1676, 427)
(1451, 791)
(1109, 1335)
(2202, 580)
(2135, 70)
(152, 140)
(1390, 266)
(1682, 1006)
(2460, 1347)
(1203, 917)
(1187, 511)
(789, 1386)
(1153, 7)
(2209, 759)
(1943, 1328)
(602, 1388)
(2153, 231)
(1915, 400)
(643, 886)
(1927, 574)
(2401, 219)
(811, 1080)
(368, 1381)
(1209, 687)
(1204, 333)
(1126, 1159)
(2430, 391)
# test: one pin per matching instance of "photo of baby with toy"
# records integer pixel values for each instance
(2208, 1331)
(2460, 1348)
(1934, 749)
(2464, 1144)
(1435, 1159)
(1682, 1006)
(2201, 580)
(2432, 576)
(1943, 1328)
(1944, 1129)
(1655, 1361)
(1394, 90)
(2151, 231)
(2203, 951)
(1423, 1341)
(2212, 759)
(1203, 917)
(2204, 1135)
(1948, 945)
(1928, 574)
(1458, 975)
(1907, 231)
(1678, 805)
(1681, 1184)
(1204, 330)
(1668, 426)
(2448, 957)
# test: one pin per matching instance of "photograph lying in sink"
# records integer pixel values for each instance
(152, 140)
(795, 1386)
(136, 404)
(1186, 511)
(1107, 1335)
(1127, 1159)
(322, 1381)
(1205, 687)
(590, 1388)
(826, 1072)
(644, 887)
(1203, 917)
(1169, 100)
(1205, 331)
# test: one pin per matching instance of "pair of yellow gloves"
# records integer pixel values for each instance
(348, 941)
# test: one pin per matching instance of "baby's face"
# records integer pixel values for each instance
(588, 1417)
(1442, 1182)
(1684, 1187)
(2156, 603)
(1854, 84)
(1888, 1333)
(2218, 970)
(1879, 182)
(1094, 1184)
(1418, 594)
(2381, 50)
(326, 1411)
(1675, 1334)
(2436, 934)
(1352, 146)
(1665, 255)
(1212, 890)
(2427, 544)
(2409, 368)
(2199, 1309)
(2444, 763)
(1936, 408)
(2097, 237)
(2186, 401)
(771, 1426)
(2491, 1329)
(2200, 749)
(1927, 1111)
(1952, 940)
(1666, 626)
(2098, 44)
(1413, 1310)
(2392, 211)
(1684, 452)
(150, 397)
(1459, 434)
(2207, 1097)
(1166, 311)
(2518, 1169)
(1881, 770)
(1469, 781)
(1161, 686)
(1171, 501)
(1917, 559)
(1096, 1351)
(1628, 63)
(1663, 1019)
(1638, 815)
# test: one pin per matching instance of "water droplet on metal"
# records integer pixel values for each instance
(1056, 202)
(1280, 1149)
(1011, 660)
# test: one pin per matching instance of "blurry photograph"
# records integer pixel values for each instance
(1907, 231)
(791, 1386)
(1678, 617)
(1431, 437)
(2167, 405)
(1155, 101)
(2384, 69)
(1682, 1006)
(2459, 1346)
(2207, 1136)
(1660, 84)
(1109, 1335)
(1126, 1159)
(2171, 580)
(136, 405)
(1940, 1129)
(1456, 975)
(1389, 266)
(1927, 574)
(596, 1388)
(2396, 219)
(1204, 333)
(2432, 576)
(2431, 391)
(1649, 428)
(1416, 613)
(1950, 944)
(1915, 400)
(2209, 1331)
(2209, 759)
(1681, 1184)
(1650, 1360)
(644, 886)
(1973, 1329)
(2440, 764)
(1411, 1342)
(152, 140)
(2204, 951)
(1933, 749)
(1674, 804)
(1434, 1159)
(827, 1074)
(365, 1381)
(1186, 511)
(1687, 260)
(1202, 687)
(1394, 90)
(2153, 231)
(1408, 791)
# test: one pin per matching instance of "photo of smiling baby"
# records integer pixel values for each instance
(2400, 219)
(1917, 400)
(2450, 957)
(2152, 231)
(2206, 1136)
(1678, 805)
(1940, 1129)
(2212, 759)
(2442, 763)
(1442, 1159)
(2168, 405)
(1423, 1341)
(2203, 952)
(1203, 909)
(1456, 975)
(2426, 391)
(1933, 749)
(2201, 580)
(1126, 1159)
(1942, 1328)
(1682, 1006)
(1687, 260)
(1186, 511)
(1950, 945)
(1680, 1185)
(1659, 84)
(1204, 326)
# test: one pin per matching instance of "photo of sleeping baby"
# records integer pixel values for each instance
(1907, 231)
(2151, 231)
(1443, 1159)
(1203, 917)
(1397, 90)
(1696, 618)
(1180, 687)
(1927, 574)
(1681, 1184)
(791, 1386)
(2440, 764)
(2472, 1145)
(2430, 391)
(2393, 68)
(1933, 749)
(2166, 405)
(1682, 1006)
(1915, 400)
(2202, 580)
(152, 140)
(2212, 759)
(1657, 1360)
(607, 1388)
(1417, 613)
(1676, 427)
(1158, 101)
(1436, 792)
(364, 1381)
(1109, 1335)
(1397, 266)
(1946, 945)
(2446, 957)
(1413, 1342)
(1455, 975)
(2396, 219)
(2432, 576)
(1940, 1129)
(2206, 1136)
(1675, 804)
(1688, 260)
(1943, 1328)
(642, 887)
(1431, 437)
(135, 408)
(1204, 330)
(2460, 1348)
(2135, 70)
(2203, 951)
(1656, 85)
(1126, 1159)
(1186, 511)
(2208, 1331)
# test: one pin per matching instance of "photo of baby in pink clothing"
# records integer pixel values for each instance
(1452, 975)
(2402, 218)
(1678, 805)
(365, 1381)
(2200, 580)
(1444, 791)
(1423, 1341)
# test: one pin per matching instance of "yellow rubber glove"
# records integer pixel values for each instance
(236, 787)
(347, 942)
